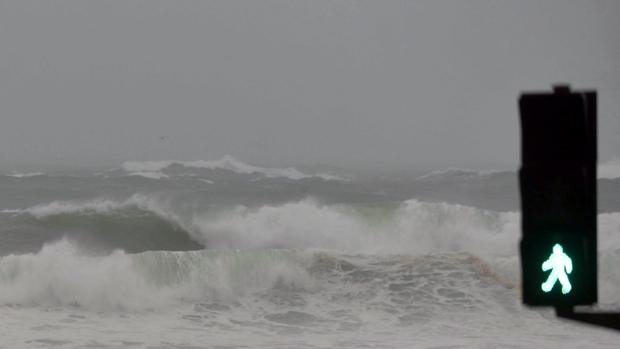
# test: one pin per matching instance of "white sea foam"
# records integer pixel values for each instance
(60, 274)
(456, 268)
(150, 175)
(456, 174)
(267, 299)
(25, 175)
(225, 163)
(152, 204)
(608, 170)
(414, 228)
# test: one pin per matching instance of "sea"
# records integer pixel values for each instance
(226, 254)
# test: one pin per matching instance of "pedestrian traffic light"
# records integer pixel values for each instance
(560, 264)
(558, 197)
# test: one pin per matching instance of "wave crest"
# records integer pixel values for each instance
(412, 227)
(138, 223)
(153, 169)
(60, 274)
(102, 206)
(159, 278)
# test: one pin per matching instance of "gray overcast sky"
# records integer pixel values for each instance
(353, 83)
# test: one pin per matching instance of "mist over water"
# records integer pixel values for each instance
(234, 253)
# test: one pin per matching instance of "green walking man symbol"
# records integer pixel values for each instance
(560, 264)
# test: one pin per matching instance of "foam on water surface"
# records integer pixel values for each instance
(269, 298)
(187, 261)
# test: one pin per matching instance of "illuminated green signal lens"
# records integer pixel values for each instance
(560, 265)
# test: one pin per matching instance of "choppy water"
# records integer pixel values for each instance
(224, 254)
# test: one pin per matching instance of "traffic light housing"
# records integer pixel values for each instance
(558, 197)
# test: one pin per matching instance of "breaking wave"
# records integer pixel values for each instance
(61, 275)
(457, 174)
(99, 206)
(607, 170)
(139, 223)
(412, 227)
(256, 250)
(25, 175)
(153, 169)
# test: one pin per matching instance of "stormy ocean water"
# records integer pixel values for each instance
(221, 254)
